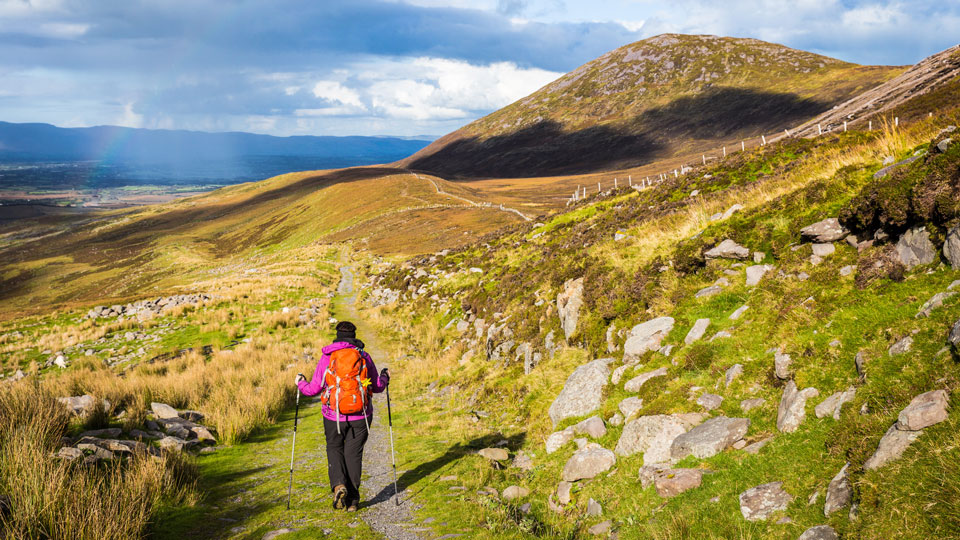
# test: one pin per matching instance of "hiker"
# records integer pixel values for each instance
(347, 409)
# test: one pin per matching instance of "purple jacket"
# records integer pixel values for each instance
(316, 384)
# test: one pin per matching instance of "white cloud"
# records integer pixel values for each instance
(337, 93)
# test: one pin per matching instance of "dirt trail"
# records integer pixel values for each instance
(501, 207)
(378, 507)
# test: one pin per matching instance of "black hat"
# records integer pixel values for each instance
(346, 330)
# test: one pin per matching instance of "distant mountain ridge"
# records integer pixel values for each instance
(36, 141)
(647, 101)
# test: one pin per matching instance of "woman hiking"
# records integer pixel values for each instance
(346, 378)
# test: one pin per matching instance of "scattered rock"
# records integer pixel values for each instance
(951, 247)
(847, 270)
(515, 492)
(823, 250)
(107, 433)
(617, 374)
(759, 256)
(69, 453)
(634, 384)
(709, 401)
(593, 508)
(647, 336)
(860, 362)
(914, 248)
(754, 448)
(748, 404)
(710, 438)
(832, 405)
(601, 528)
(728, 249)
(781, 366)
(164, 411)
(707, 292)
(944, 145)
(934, 303)
(563, 492)
(732, 373)
(755, 273)
(828, 230)
(739, 312)
(652, 435)
(793, 405)
(522, 461)
(900, 347)
(79, 405)
(559, 439)
(592, 426)
(839, 492)
(732, 210)
(758, 503)
(954, 336)
(891, 447)
(820, 532)
(494, 454)
(583, 392)
(279, 532)
(672, 482)
(569, 302)
(616, 420)
(630, 407)
(924, 410)
(696, 332)
(588, 462)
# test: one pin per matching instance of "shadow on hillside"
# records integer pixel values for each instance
(455, 452)
(545, 149)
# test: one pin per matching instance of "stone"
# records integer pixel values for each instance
(758, 503)
(583, 391)
(728, 249)
(107, 433)
(634, 384)
(954, 285)
(690, 419)
(732, 210)
(559, 439)
(647, 336)
(954, 336)
(569, 302)
(79, 405)
(593, 508)
(832, 405)
(592, 426)
(707, 292)
(749, 404)
(279, 532)
(617, 374)
(202, 433)
(803, 276)
(755, 273)
(934, 303)
(739, 312)
(860, 362)
(588, 462)
(827, 230)
(759, 256)
(172, 443)
(754, 448)
(914, 248)
(494, 454)
(815, 260)
(523, 461)
(563, 492)
(793, 407)
(781, 366)
(709, 401)
(901, 347)
(892, 445)
(732, 373)
(164, 411)
(951, 247)
(696, 332)
(820, 532)
(839, 492)
(944, 145)
(601, 528)
(924, 411)
(653, 436)
(515, 492)
(616, 420)
(823, 250)
(722, 282)
(672, 482)
(848, 270)
(630, 407)
(709, 438)
(69, 453)
(60, 361)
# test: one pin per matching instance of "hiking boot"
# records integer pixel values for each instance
(339, 497)
(353, 507)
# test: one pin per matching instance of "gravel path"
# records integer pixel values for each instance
(378, 507)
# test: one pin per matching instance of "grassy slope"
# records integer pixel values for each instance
(784, 188)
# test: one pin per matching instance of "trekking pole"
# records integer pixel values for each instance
(296, 419)
(393, 455)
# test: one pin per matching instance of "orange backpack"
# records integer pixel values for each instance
(347, 384)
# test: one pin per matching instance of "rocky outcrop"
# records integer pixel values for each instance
(758, 503)
(728, 249)
(914, 248)
(709, 438)
(588, 462)
(583, 392)
(147, 308)
(827, 230)
(653, 436)
(793, 405)
(647, 336)
(569, 302)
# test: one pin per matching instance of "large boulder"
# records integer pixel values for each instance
(828, 230)
(651, 435)
(914, 248)
(583, 392)
(839, 492)
(793, 407)
(951, 248)
(924, 410)
(758, 503)
(636, 383)
(647, 336)
(709, 438)
(820, 532)
(569, 302)
(728, 249)
(588, 462)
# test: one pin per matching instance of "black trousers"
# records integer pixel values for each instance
(345, 455)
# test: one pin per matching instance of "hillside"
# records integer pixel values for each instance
(656, 98)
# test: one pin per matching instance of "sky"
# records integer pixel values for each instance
(381, 67)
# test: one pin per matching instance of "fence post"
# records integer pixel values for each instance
(704, 156)
(786, 133)
(763, 140)
(896, 121)
(676, 174)
(844, 126)
(724, 151)
(614, 182)
(598, 187)
(743, 147)
(819, 130)
(870, 125)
